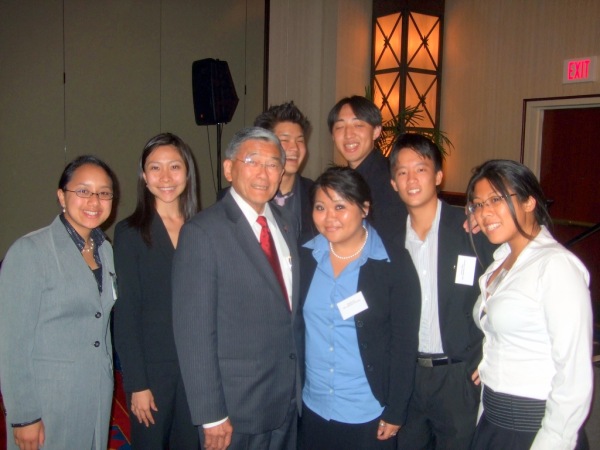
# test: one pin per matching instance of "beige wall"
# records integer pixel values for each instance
(496, 54)
(319, 52)
(128, 77)
(128, 68)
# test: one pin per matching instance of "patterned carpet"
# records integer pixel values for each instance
(119, 424)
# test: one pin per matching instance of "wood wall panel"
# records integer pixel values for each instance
(495, 55)
(128, 67)
(319, 52)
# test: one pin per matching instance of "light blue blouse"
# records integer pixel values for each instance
(336, 386)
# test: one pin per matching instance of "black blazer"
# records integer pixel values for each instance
(460, 336)
(387, 210)
(308, 229)
(143, 314)
(388, 330)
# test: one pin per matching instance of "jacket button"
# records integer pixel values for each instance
(359, 323)
(97, 344)
(292, 356)
(98, 315)
(369, 367)
(364, 345)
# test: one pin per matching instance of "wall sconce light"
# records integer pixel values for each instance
(407, 53)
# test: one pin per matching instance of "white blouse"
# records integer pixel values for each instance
(537, 321)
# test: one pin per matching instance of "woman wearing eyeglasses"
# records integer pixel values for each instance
(57, 288)
(145, 244)
(361, 309)
(535, 312)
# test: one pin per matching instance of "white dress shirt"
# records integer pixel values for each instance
(424, 255)
(538, 335)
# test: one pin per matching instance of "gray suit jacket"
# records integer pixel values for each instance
(55, 343)
(239, 346)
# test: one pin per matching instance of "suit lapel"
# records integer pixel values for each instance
(161, 238)
(249, 244)
(446, 269)
(291, 240)
(71, 262)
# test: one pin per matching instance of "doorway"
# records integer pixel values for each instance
(561, 144)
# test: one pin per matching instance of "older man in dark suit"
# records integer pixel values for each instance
(236, 317)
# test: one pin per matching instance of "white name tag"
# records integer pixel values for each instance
(465, 270)
(114, 285)
(352, 305)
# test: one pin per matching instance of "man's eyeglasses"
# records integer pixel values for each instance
(85, 193)
(493, 201)
(271, 167)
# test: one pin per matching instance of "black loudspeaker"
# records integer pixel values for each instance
(215, 98)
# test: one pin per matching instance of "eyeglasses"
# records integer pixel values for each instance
(85, 193)
(493, 201)
(271, 167)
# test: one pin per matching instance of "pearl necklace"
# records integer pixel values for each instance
(353, 254)
(87, 248)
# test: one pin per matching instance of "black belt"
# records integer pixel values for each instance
(434, 361)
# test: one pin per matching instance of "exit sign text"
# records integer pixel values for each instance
(580, 70)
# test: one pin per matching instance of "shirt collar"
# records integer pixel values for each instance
(374, 248)
(412, 235)
(97, 236)
(248, 211)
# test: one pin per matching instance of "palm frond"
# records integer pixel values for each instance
(406, 121)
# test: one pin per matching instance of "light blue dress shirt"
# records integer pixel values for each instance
(336, 385)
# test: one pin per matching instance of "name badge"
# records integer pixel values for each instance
(114, 285)
(353, 305)
(465, 270)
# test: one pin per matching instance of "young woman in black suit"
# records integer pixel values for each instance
(144, 246)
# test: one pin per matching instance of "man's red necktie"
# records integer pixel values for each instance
(268, 246)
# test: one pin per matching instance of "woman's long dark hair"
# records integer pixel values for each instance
(504, 174)
(141, 218)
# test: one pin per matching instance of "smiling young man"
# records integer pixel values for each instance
(355, 124)
(292, 128)
(443, 408)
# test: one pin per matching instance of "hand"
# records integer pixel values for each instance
(218, 437)
(30, 437)
(473, 224)
(142, 405)
(386, 430)
(475, 378)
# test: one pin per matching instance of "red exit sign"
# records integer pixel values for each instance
(580, 70)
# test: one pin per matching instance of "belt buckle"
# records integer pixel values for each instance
(425, 362)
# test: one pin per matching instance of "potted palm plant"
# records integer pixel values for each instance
(406, 121)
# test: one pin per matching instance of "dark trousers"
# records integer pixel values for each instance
(442, 413)
(173, 428)
(283, 438)
(317, 433)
